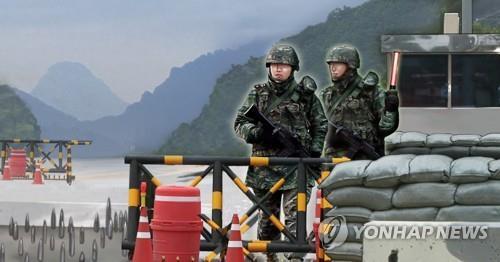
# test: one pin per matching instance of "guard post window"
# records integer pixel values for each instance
(423, 80)
(474, 80)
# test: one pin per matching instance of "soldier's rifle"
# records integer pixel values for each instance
(288, 143)
(337, 133)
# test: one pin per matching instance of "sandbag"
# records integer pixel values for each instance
(346, 174)
(386, 171)
(490, 140)
(410, 150)
(470, 170)
(465, 140)
(371, 198)
(352, 214)
(454, 152)
(406, 214)
(413, 139)
(494, 167)
(438, 140)
(486, 151)
(469, 213)
(424, 195)
(485, 193)
(346, 251)
(428, 168)
(393, 140)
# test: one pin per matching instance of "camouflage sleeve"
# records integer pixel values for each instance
(387, 121)
(242, 124)
(319, 125)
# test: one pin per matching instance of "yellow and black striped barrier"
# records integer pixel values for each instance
(35, 148)
(218, 166)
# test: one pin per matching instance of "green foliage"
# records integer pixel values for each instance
(16, 120)
(212, 132)
(480, 28)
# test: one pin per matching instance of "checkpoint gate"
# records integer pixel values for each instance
(214, 240)
(34, 148)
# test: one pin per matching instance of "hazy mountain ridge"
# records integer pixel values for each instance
(72, 88)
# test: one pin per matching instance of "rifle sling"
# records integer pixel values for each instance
(278, 100)
(355, 86)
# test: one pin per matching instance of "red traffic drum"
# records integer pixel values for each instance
(17, 162)
(176, 225)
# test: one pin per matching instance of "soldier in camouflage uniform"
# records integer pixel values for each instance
(295, 107)
(357, 103)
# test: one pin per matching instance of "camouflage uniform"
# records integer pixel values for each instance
(363, 110)
(300, 112)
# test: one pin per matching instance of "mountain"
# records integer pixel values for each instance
(145, 125)
(55, 124)
(211, 133)
(71, 87)
(16, 119)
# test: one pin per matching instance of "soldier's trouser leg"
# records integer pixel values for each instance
(266, 229)
(290, 209)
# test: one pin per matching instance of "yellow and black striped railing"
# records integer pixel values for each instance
(218, 165)
(35, 148)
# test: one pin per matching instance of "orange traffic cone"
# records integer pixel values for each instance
(37, 176)
(235, 246)
(143, 251)
(6, 171)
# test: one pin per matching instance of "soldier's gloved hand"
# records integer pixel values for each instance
(256, 135)
(391, 101)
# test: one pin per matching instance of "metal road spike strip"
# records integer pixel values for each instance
(96, 223)
(26, 258)
(15, 234)
(53, 219)
(120, 221)
(44, 231)
(27, 223)
(108, 213)
(20, 247)
(94, 251)
(40, 250)
(71, 245)
(2, 253)
(33, 234)
(61, 229)
(71, 227)
(62, 253)
(82, 257)
(52, 242)
(61, 217)
(82, 235)
(115, 222)
(124, 236)
(103, 238)
(110, 230)
(11, 226)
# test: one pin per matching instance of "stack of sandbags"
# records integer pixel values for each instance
(454, 146)
(411, 187)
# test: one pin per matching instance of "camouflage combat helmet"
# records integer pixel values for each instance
(283, 54)
(344, 54)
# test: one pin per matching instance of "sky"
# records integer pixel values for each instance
(132, 45)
